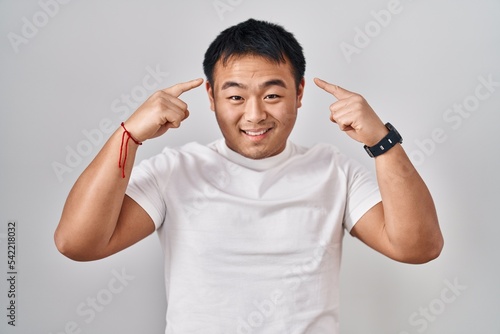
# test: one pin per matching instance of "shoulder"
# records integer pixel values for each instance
(193, 149)
(184, 156)
(328, 156)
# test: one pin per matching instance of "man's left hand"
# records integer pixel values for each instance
(353, 114)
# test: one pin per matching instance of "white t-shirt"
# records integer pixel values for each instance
(252, 246)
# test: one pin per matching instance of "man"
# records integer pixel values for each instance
(252, 224)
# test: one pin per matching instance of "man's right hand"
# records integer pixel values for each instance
(161, 111)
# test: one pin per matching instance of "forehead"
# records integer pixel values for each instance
(251, 69)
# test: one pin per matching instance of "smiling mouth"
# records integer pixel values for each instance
(256, 133)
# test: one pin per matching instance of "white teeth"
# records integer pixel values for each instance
(250, 133)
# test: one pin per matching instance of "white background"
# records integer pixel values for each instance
(65, 68)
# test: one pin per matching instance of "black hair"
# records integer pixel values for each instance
(258, 38)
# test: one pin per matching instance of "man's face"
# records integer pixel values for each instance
(255, 103)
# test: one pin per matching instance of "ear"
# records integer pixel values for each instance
(300, 92)
(210, 93)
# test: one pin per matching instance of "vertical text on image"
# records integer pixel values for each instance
(12, 272)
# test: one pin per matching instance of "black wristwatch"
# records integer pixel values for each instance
(384, 145)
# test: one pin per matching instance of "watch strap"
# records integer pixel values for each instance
(386, 143)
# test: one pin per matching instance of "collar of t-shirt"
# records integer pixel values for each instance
(254, 164)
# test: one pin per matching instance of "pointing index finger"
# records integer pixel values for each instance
(337, 91)
(178, 89)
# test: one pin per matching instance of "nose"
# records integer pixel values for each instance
(255, 111)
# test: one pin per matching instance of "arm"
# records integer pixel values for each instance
(404, 226)
(98, 219)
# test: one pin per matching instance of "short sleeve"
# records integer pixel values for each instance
(147, 184)
(362, 192)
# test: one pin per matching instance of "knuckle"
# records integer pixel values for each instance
(157, 105)
(358, 99)
(357, 105)
(157, 95)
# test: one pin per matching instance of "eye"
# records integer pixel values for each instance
(235, 98)
(272, 97)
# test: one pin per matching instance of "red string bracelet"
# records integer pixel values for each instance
(129, 136)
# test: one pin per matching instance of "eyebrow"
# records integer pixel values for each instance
(269, 83)
(274, 82)
(229, 84)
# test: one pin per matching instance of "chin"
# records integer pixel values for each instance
(255, 156)
(258, 154)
